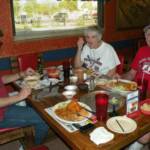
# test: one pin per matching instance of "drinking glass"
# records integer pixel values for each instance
(114, 102)
(79, 73)
(142, 86)
(101, 105)
(73, 79)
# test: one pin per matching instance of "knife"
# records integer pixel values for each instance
(120, 125)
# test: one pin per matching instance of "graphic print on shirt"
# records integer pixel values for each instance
(90, 62)
(144, 65)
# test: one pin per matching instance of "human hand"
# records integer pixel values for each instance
(116, 76)
(24, 93)
(29, 71)
(80, 43)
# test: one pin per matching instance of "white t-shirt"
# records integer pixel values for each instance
(101, 60)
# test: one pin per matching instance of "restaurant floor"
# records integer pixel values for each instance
(53, 144)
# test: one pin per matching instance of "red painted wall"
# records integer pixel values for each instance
(12, 48)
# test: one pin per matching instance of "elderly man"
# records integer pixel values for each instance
(140, 68)
(95, 54)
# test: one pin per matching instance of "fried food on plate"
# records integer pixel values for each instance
(122, 85)
(71, 112)
(145, 107)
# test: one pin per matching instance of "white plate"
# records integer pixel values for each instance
(63, 104)
(101, 82)
(128, 125)
(42, 83)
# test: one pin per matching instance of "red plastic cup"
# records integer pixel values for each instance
(142, 86)
(101, 99)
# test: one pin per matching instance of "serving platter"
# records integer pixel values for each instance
(121, 86)
(63, 105)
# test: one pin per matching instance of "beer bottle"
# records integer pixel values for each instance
(40, 65)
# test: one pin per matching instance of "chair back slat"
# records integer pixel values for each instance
(27, 60)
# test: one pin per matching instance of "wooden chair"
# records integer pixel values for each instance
(25, 134)
(57, 63)
(121, 66)
(27, 60)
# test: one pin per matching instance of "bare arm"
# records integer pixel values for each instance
(129, 75)
(25, 92)
(10, 78)
(77, 61)
(13, 77)
(111, 72)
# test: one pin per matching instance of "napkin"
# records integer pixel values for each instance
(101, 135)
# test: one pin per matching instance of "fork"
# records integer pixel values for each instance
(92, 112)
(78, 114)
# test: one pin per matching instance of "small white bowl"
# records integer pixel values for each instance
(69, 94)
(70, 87)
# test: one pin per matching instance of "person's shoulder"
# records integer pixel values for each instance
(143, 49)
(107, 46)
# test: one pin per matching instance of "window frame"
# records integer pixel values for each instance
(28, 35)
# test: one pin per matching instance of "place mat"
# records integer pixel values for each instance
(67, 126)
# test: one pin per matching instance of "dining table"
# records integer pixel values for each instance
(81, 141)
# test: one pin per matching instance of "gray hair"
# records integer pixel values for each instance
(146, 28)
(98, 31)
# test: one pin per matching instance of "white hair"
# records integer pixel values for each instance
(146, 28)
(98, 32)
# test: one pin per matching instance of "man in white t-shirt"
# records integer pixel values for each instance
(96, 54)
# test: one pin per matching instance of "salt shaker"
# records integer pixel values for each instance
(92, 84)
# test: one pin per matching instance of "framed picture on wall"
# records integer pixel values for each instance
(132, 13)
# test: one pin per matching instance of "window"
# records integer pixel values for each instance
(46, 18)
